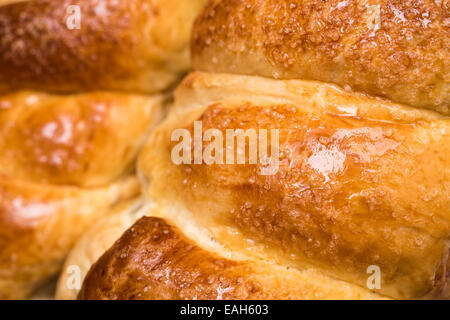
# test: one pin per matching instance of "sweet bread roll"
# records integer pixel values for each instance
(154, 260)
(65, 161)
(40, 223)
(134, 45)
(398, 49)
(99, 238)
(68, 143)
(86, 140)
(350, 182)
(360, 182)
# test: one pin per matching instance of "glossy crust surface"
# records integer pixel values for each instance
(361, 182)
(398, 49)
(154, 260)
(65, 161)
(39, 224)
(133, 45)
(86, 140)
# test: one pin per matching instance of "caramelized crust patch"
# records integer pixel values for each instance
(65, 161)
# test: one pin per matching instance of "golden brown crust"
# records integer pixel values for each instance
(40, 223)
(392, 48)
(133, 45)
(85, 140)
(65, 161)
(361, 182)
(154, 260)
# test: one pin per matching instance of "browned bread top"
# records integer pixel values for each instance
(65, 161)
(133, 45)
(81, 139)
(359, 181)
(154, 260)
(40, 223)
(398, 49)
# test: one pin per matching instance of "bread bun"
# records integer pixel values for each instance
(73, 116)
(154, 261)
(351, 192)
(135, 45)
(65, 161)
(397, 49)
(86, 140)
(360, 182)
(40, 223)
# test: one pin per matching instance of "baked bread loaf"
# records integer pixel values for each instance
(397, 49)
(135, 45)
(352, 191)
(187, 262)
(76, 106)
(64, 162)
(87, 140)
(360, 183)
(154, 260)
